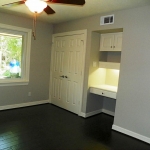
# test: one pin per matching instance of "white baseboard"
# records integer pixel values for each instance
(93, 113)
(132, 134)
(108, 112)
(24, 104)
(85, 115)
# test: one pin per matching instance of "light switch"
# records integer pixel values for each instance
(94, 64)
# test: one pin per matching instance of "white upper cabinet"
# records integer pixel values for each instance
(111, 42)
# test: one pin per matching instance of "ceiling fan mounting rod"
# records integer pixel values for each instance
(34, 26)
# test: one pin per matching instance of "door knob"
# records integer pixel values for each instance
(62, 76)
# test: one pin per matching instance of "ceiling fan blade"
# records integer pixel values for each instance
(73, 2)
(49, 10)
(14, 3)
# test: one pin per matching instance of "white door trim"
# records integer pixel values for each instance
(83, 64)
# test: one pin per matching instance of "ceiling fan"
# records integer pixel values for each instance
(37, 6)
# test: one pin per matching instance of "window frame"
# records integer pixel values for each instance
(25, 61)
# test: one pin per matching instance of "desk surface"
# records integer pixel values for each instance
(106, 87)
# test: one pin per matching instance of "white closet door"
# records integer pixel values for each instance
(73, 72)
(58, 69)
(67, 71)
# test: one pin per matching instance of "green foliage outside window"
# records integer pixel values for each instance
(10, 49)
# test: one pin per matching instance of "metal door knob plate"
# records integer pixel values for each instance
(62, 76)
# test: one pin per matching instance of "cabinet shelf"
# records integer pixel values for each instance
(109, 65)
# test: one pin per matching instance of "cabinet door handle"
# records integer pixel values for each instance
(62, 76)
(114, 46)
(66, 77)
(111, 46)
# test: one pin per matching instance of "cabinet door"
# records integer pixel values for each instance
(117, 42)
(106, 42)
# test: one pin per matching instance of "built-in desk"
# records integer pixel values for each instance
(104, 90)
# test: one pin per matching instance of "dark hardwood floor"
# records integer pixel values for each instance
(47, 127)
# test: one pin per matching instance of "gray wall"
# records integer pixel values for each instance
(39, 64)
(133, 99)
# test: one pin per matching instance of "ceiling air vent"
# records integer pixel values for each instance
(104, 20)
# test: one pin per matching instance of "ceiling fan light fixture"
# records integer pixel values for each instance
(36, 6)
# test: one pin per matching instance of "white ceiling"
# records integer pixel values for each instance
(68, 12)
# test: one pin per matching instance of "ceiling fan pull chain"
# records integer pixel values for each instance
(34, 26)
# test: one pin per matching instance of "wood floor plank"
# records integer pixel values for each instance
(47, 127)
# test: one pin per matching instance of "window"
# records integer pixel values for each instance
(15, 43)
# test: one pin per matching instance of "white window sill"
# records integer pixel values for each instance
(12, 82)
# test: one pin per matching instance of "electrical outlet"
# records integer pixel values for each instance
(29, 93)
